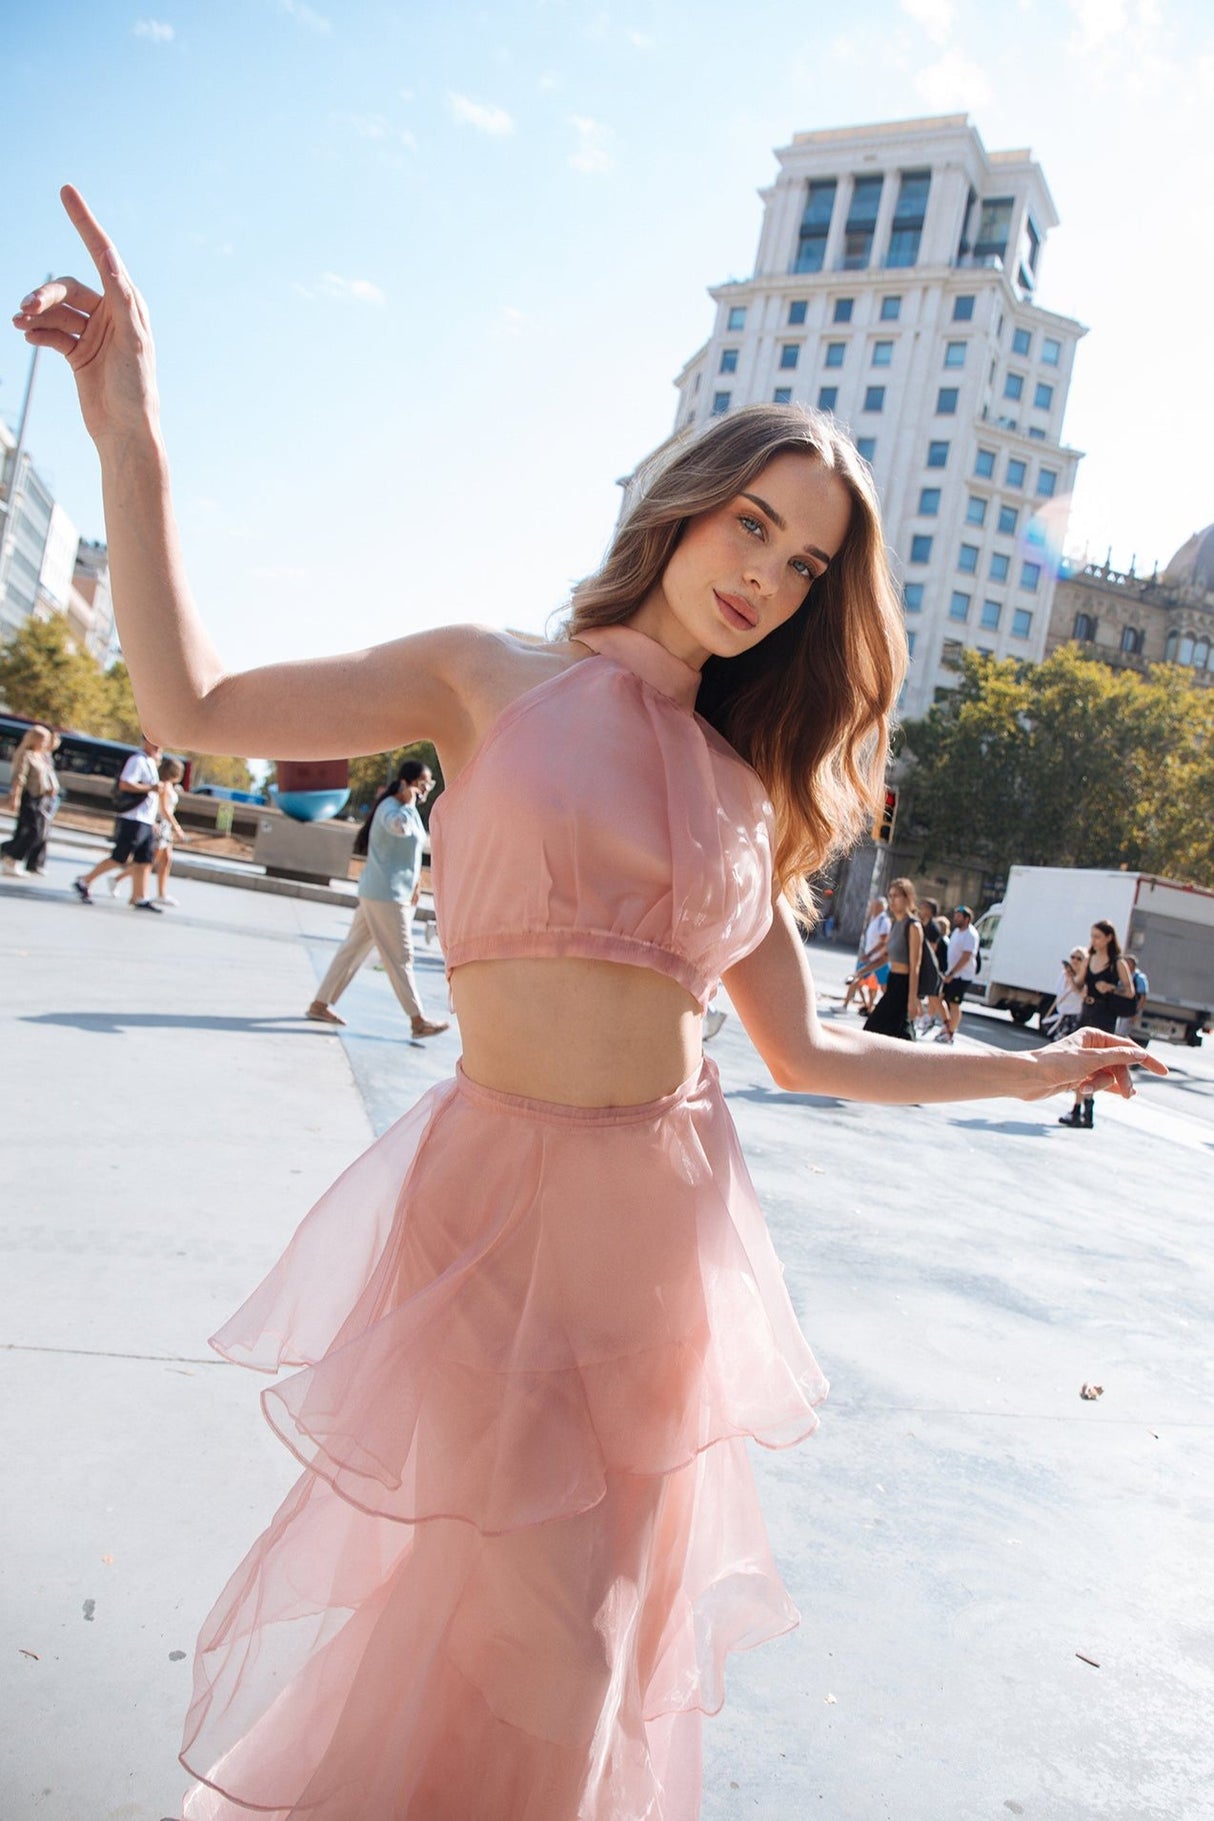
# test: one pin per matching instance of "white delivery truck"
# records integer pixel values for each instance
(1048, 910)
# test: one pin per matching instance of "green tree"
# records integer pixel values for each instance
(369, 774)
(119, 717)
(228, 773)
(43, 675)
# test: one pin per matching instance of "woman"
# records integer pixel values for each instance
(33, 798)
(391, 837)
(935, 934)
(898, 1007)
(1063, 1015)
(535, 1320)
(1108, 992)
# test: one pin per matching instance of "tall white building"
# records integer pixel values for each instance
(895, 285)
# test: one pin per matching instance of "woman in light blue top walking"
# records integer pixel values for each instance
(391, 838)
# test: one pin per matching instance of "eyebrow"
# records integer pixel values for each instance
(774, 516)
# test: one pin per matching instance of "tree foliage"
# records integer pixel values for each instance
(211, 768)
(44, 675)
(1067, 763)
(368, 775)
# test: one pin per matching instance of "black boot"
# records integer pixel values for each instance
(1089, 1111)
(1074, 1117)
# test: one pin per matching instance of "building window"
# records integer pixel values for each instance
(959, 606)
(929, 502)
(1022, 341)
(910, 644)
(737, 317)
(946, 401)
(937, 455)
(720, 403)
(1201, 654)
(1030, 575)
(1043, 397)
(994, 226)
(1051, 351)
(1047, 482)
(1000, 567)
(789, 354)
(866, 447)
(783, 395)
(815, 226)
(921, 548)
(835, 351)
(1013, 386)
(912, 596)
(954, 353)
(1035, 435)
(1015, 472)
(874, 398)
(1022, 623)
(883, 353)
(1008, 515)
(984, 464)
(909, 214)
(963, 309)
(891, 309)
(975, 510)
(729, 360)
(828, 397)
(1131, 640)
(967, 559)
(1084, 629)
(990, 615)
(796, 312)
(843, 308)
(861, 223)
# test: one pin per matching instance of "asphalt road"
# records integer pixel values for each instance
(1005, 1588)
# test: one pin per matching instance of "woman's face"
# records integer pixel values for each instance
(745, 568)
(1099, 940)
(897, 901)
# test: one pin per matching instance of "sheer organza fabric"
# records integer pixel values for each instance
(530, 1340)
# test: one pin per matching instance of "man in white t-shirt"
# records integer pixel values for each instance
(962, 966)
(134, 829)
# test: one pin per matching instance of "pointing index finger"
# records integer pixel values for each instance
(101, 249)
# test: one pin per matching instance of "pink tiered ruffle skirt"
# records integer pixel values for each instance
(531, 1339)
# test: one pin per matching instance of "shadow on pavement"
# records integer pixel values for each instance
(113, 1024)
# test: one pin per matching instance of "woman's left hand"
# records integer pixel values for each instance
(1090, 1061)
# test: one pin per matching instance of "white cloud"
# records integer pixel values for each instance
(954, 80)
(346, 290)
(640, 41)
(591, 155)
(548, 81)
(1123, 41)
(156, 31)
(935, 17)
(492, 120)
(379, 130)
(304, 15)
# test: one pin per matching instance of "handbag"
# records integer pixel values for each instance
(929, 973)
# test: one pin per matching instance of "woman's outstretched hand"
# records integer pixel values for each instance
(1090, 1060)
(104, 336)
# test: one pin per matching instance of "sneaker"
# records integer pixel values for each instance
(713, 1022)
(82, 891)
(944, 1037)
(320, 1013)
(112, 882)
(423, 1027)
(10, 866)
(164, 898)
(147, 904)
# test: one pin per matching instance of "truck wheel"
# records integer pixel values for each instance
(1021, 1013)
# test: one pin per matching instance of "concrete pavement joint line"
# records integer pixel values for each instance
(1029, 1416)
(167, 1359)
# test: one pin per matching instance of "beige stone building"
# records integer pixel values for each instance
(1131, 620)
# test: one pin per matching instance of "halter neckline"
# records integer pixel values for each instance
(646, 659)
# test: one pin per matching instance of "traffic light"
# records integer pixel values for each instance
(883, 820)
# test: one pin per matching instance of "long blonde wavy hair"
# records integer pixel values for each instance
(809, 706)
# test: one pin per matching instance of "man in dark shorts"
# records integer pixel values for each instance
(134, 829)
(962, 968)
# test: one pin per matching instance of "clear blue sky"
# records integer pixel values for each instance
(422, 275)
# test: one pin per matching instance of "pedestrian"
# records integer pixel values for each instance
(897, 1009)
(134, 829)
(1142, 987)
(1063, 1015)
(1108, 994)
(33, 797)
(935, 938)
(166, 830)
(871, 970)
(962, 967)
(533, 1324)
(392, 837)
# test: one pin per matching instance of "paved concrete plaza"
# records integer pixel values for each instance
(1005, 1589)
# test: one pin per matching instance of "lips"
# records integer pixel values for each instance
(737, 611)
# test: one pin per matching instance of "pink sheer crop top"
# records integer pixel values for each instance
(600, 817)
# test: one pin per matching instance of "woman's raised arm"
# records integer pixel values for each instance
(365, 701)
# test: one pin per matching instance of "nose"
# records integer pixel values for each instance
(763, 571)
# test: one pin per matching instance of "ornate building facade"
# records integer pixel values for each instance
(1131, 621)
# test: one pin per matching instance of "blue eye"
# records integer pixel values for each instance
(750, 524)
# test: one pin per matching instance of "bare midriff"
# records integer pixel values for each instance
(584, 1033)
